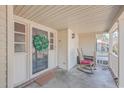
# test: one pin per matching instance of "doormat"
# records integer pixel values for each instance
(44, 78)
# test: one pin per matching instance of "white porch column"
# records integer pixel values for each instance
(121, 50)
(10, 46)
(6, 45)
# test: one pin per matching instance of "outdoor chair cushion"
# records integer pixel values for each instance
(86, 62)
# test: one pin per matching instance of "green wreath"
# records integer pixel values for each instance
(40, 42)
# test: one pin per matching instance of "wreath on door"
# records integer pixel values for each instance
(40, 42)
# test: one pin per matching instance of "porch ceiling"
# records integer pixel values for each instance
(78, 18)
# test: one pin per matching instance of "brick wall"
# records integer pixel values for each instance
(2, 46)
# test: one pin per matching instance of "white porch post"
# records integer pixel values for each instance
(10, 46)
(121, 50)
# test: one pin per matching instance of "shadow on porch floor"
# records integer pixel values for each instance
(76, 79)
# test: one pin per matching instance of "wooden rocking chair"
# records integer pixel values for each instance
(85, 65)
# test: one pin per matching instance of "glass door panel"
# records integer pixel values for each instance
(39, 50)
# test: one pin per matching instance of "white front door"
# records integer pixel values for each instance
(21, 60)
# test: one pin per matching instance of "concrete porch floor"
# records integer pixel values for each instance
(76, 79)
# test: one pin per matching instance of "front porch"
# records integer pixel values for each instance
(101, 78)
(42, 38)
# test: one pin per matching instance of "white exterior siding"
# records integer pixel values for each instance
(2, 46)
